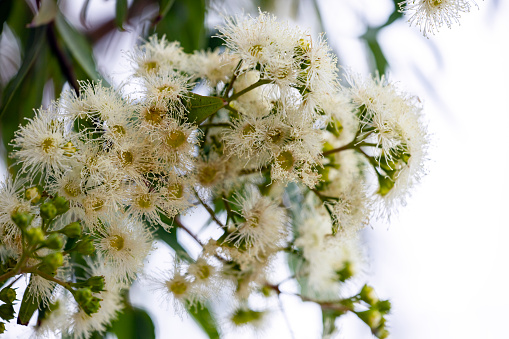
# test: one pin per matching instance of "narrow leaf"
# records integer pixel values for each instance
(165, 6)
(121, 11)
(79, 47)
(28, 307)
(47, 13)
(133, 323)
(204, 318)
(201, 107)
(35, 42)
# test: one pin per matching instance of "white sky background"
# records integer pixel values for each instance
(442, 262)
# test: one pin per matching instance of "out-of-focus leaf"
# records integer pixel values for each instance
(28, 307)
(328, 320)
(5, 10)
(185, 22)
(204, 318)
(121, 10)
(201, 107)
(133, 323)
(79, 47)
(170, 238)
(34, 44)
(47, 13)
(164, 7)
(374, 46)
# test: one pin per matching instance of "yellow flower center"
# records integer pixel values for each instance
(116, 242)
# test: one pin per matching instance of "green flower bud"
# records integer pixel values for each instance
(48, 211)
(88, 303)
(245, 316)
(372, 317)
(35, 236)
(383, 306)
(6, 312)
(84, 246)
(368, 295)
(73, 230)
(53, 261)
(22, 220)
(34, 194)
(54, 242)
(382, 333)
(96, 283)
(8, 295)
(61, 204)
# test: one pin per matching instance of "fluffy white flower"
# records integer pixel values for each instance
(431, 15)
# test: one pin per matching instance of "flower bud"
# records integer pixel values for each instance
(22, 220)
(96, 283)
(8, 295)
(53, 261)
(35, 236)
(33, 194)
(48, 211)
(368, 295)
(372, 317)
(54, 242)
(88, 303)
(73, 230)
(61, 204)
(84, 246)
(384, 306)
(6, 312)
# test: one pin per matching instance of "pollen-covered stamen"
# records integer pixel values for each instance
(153, 115)
(144, 201)
(126, 158)
(175, 138)
(48, 144)
(285, 160)
(116, 242)
(175, 191)
(255, 50)
(72, 189)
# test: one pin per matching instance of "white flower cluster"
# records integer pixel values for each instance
(288, 156)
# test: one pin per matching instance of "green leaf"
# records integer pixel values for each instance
(28, 307)
(185, 22)
(121, 11)
(204, 318)
(79, 47)
(35, 41)
(47, 13)
(133, 323)
(371, 39)
(201, 107)
(164, 7)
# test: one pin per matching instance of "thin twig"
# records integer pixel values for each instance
(207, 207)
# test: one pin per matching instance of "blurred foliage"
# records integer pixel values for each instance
(55, 50)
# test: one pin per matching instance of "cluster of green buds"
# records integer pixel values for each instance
(374, 316)
(44, 245)
(7, 296)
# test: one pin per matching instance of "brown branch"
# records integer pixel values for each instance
(63, 61)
